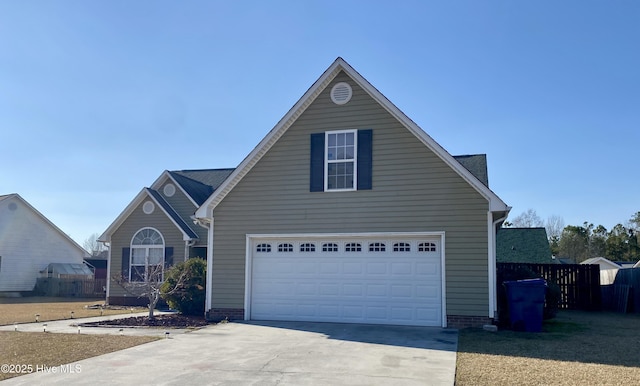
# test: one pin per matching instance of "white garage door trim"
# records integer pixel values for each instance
(250, 238)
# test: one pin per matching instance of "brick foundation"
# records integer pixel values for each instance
(218, 314)
(463, 321)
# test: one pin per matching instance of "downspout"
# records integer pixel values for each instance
(108, 245)
(187, 244)
(208, 225)
(493, 297)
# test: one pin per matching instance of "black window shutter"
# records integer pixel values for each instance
(125, 263)
(317, 163)
(168, 257)
(365, 159)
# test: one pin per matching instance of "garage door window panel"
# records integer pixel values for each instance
(285, 247)
(427, 247)
(377, 247)
(307, 247)
(353, 247)
(402, 247)
(329, 247)
(263, 248)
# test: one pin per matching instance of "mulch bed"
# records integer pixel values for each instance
(171, 320)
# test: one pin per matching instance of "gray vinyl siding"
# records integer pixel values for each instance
(185, 208)
(413, 191)
(137, 220)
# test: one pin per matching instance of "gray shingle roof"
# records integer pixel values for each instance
(476, 164)
(523, 245)
(172, 213)
(199, 184)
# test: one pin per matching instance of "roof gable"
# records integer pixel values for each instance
(200, 184)
(602, 261)
(16, 196)
(175, 217)
(339, 65)
(523, 245)
(187, 232)
(197, 185)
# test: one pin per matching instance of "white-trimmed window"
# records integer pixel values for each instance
(285, 247)
(427, 247)
(329, 247)
(353, 247)
(307, 247)
(263, 247)
(147, 255)
(340, 160)
(402, 247)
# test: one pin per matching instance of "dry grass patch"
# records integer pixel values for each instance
(43, 349)
(23, 310)
(575, 348)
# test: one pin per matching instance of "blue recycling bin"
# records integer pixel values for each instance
(525, 300)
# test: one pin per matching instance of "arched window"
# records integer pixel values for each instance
(147, 255)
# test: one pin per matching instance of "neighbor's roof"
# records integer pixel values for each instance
(340, 65)
(603, 260)
(523, 245)
(476, 164)
(46, 220)
(69, 269)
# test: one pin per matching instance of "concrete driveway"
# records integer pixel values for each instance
(274, 353)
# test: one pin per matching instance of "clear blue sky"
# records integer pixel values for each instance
(97, 98)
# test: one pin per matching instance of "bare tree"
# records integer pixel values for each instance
(554, 227)
(528, 219)
(93, 246)
(150, 285)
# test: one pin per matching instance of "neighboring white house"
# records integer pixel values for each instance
(29, 242)
(608, 269)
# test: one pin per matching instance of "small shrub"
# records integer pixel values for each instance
(190, 296)
(551, 300)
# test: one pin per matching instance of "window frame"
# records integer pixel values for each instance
(353, 160)
(146, 248)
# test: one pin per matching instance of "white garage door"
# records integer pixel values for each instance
(382, 280)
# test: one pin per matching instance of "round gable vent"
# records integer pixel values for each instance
(169, 190)
(148, 207)
(341, 93)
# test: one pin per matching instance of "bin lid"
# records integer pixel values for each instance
(527, 282)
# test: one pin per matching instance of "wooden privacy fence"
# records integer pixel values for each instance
(624, 294)
(82, 288)
(579, 283)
